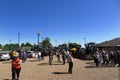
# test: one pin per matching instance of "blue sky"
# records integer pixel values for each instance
(61, 20)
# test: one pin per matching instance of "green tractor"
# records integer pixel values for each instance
(90, 49)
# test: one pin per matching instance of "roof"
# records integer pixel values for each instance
(110, 43)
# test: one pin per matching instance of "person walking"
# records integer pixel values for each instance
(64, 56)
(58, 56)
(70, 61)
(104, 57)
(112, 58)
(36, 56)
(39, 55)
(50, 57)
(16, 68)
(24, 57)
(97, 57)
(67, 53)
(42, 54)
(118, 57)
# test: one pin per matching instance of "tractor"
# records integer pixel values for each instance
(90, 49)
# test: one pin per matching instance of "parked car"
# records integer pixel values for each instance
(30, 54)
(4, 56)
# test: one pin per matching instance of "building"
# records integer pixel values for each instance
(113, 44)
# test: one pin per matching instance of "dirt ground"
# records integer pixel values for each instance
(41, 70)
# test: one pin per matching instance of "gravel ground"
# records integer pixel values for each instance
(40, 70)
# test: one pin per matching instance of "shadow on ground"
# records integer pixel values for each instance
(42, 64)
(59, 72)
(57, 64)
(90, 63)
(91, 67)
(7, 79)
(32, 61)
(99, 67)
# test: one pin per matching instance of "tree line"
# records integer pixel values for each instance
(7, 47)
(45, 44)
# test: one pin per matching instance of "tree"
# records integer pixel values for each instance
(28, 45)
(6, 47)
(0, 46)
(11, 47)
(22, 45)
(16, 46)
(46, 42)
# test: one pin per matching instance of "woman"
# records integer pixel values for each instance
(16, 67)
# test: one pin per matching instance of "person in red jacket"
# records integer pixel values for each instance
(16, 68)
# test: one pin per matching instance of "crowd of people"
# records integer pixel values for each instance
(107, 58)
(19, 57)
(102, 58)
(64, 55)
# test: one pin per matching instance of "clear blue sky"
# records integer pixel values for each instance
(61, 20)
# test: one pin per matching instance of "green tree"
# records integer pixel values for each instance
(28, 44)
(22, 45)
(46, 42)
(0, 46)
(6, 47)
(16, 46)
(11, 47)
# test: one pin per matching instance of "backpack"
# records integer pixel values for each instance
(16, 63)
